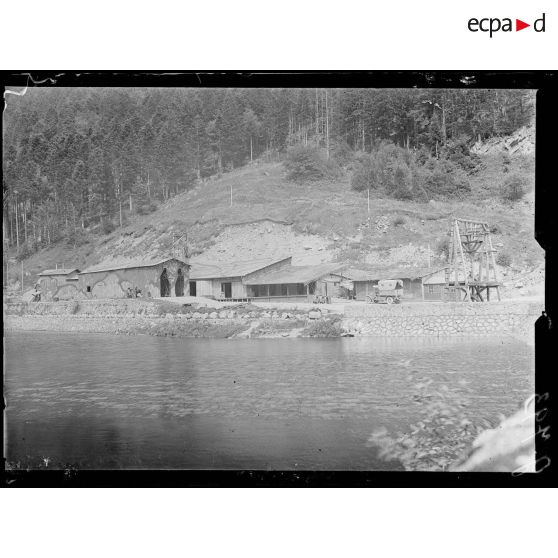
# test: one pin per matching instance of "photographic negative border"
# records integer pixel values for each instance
(546, 84)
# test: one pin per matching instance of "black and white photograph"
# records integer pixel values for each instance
(270, 279)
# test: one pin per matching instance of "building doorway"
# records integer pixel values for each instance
(193, 288)
(179, 283)
(165, 283)
(226, 289)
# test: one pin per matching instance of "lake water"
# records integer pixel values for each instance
(103, 402)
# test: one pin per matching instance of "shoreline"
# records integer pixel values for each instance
(137, 317)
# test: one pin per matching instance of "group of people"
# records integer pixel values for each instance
(133, 293)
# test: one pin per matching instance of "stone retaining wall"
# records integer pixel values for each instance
(91, 308)
(156, 308)
(441, 319)
(137, 315)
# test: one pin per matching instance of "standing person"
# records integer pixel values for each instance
(179, 283)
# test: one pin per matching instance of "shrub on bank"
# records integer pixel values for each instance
(270, 326)
(191, 329)
(329, 327)
(513, 188)
(440, 438)
(504, 259)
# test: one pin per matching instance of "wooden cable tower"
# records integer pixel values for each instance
(180, 247)
(472, 272)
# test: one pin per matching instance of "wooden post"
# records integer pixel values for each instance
(21, 277)
(422, 287)
(16, 221)
(494, 266)
(449, 269)
(455, 267)
(429, 258)
(467, 293)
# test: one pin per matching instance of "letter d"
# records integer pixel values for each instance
(535, 25)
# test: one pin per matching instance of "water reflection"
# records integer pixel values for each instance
(114, 401)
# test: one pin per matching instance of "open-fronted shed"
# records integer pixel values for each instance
(227, 280)
(296, 282)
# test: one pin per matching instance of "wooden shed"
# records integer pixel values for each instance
(154, 278)
(435, 284)
(226, 281)
(414, 281)
(296, 283)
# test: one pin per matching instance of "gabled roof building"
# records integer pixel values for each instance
(265, 280)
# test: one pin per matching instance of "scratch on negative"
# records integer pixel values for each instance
(10, 92)
(24, 91)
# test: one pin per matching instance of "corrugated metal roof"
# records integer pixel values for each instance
(230, 269)
(131, 264)
(296, 274)
(59, 271)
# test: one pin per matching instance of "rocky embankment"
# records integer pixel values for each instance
(140, 316)
(156, 317)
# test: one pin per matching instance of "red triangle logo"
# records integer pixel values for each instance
(519, 25)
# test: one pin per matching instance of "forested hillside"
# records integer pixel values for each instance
(81, 162)
(101, 175)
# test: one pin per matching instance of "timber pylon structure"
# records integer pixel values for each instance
(472, 272)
